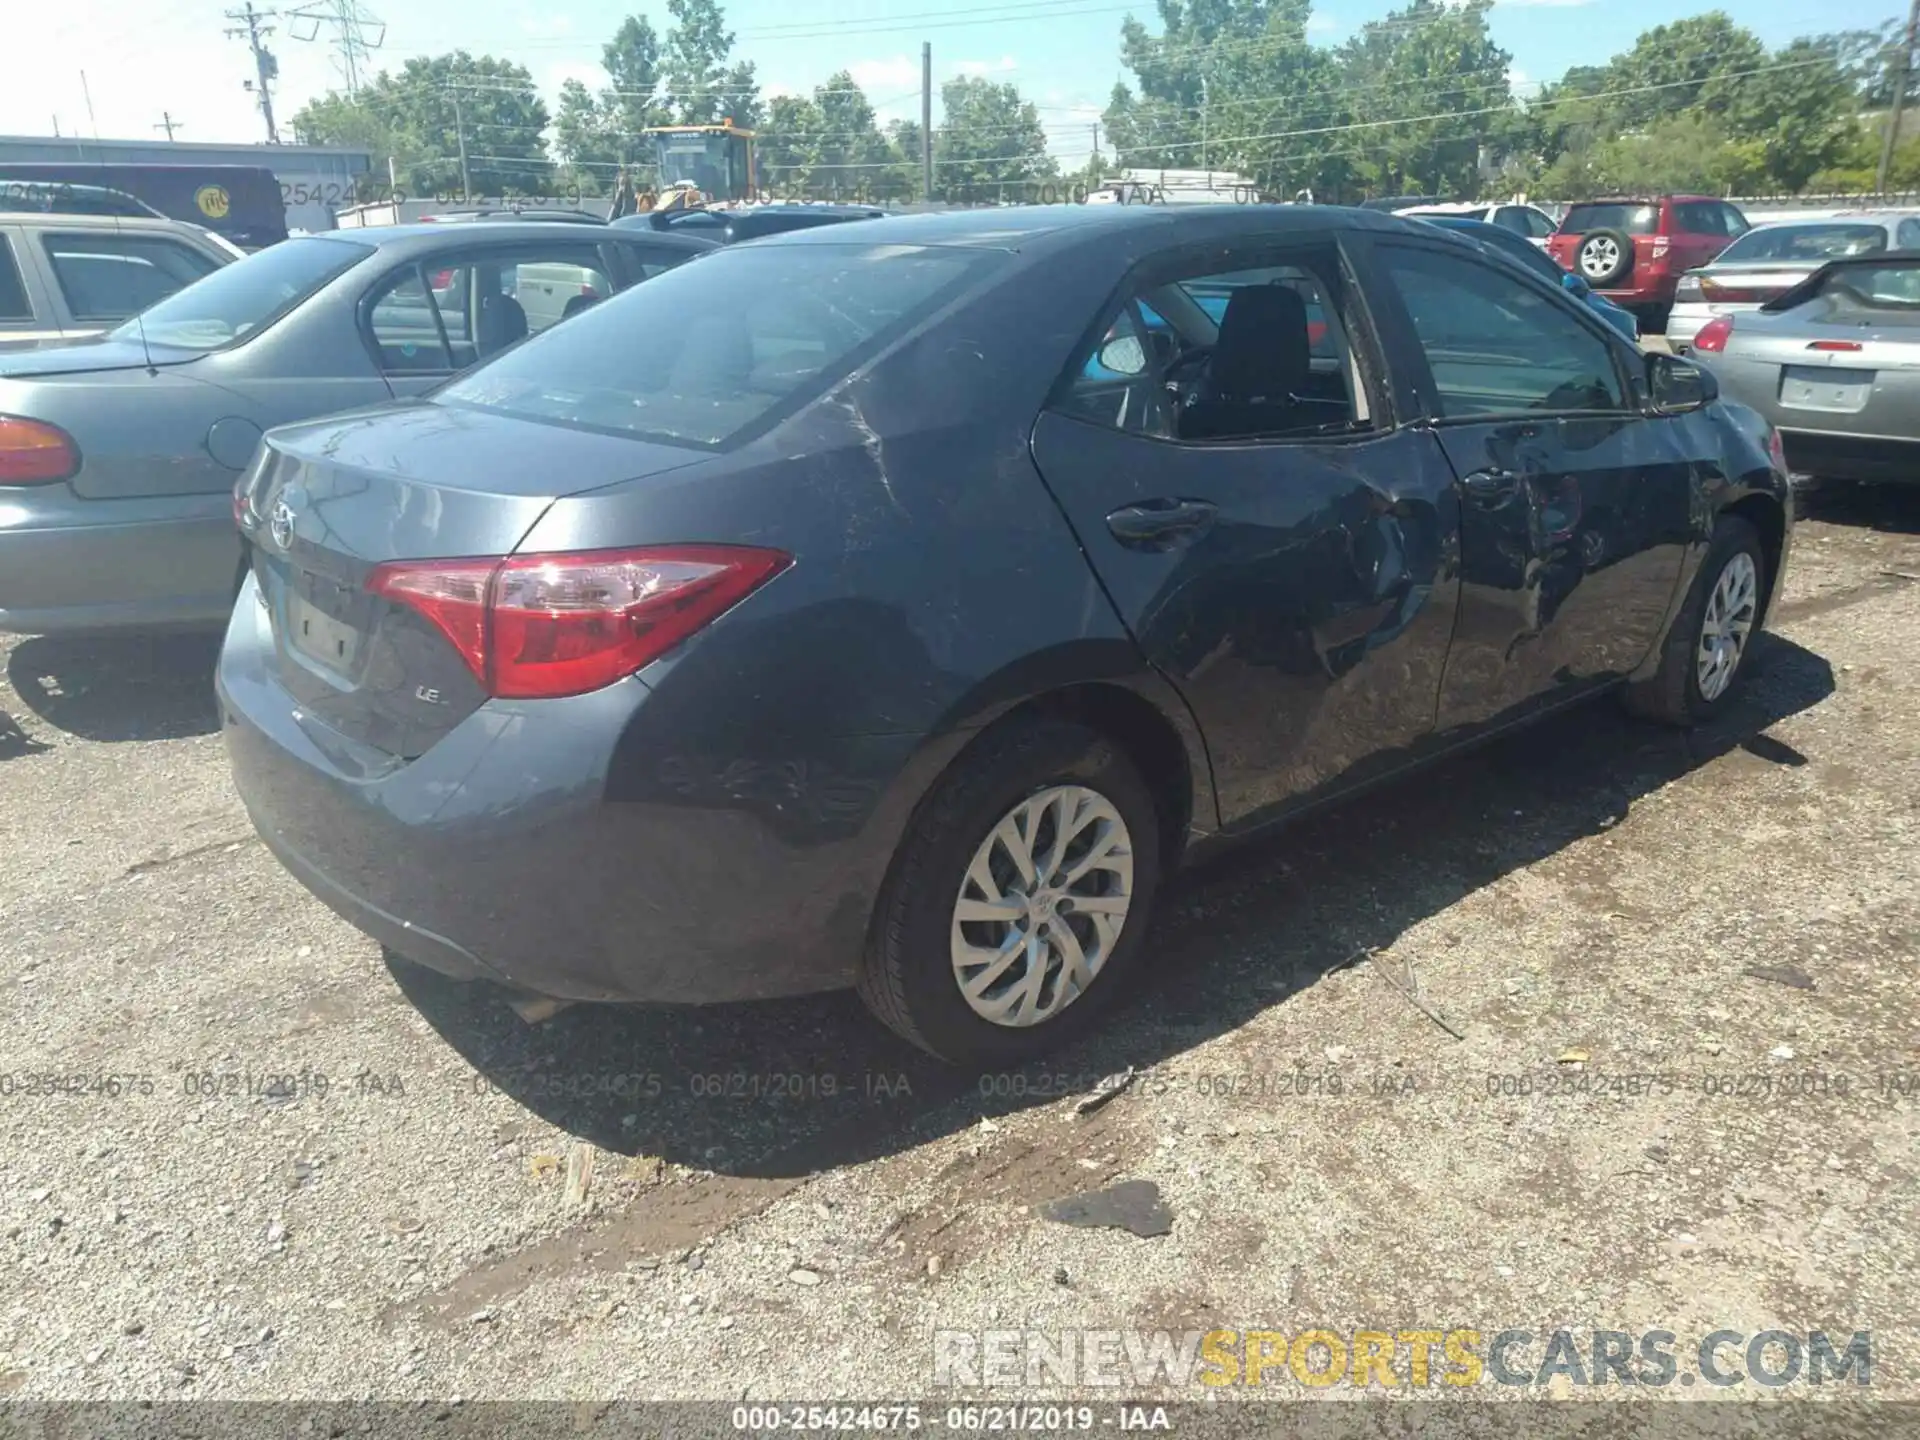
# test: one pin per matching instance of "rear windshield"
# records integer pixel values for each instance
(710, 350)
(1807, 242)
(1479, 214)
(1633, 219)
(1893, 288)
(240, 299)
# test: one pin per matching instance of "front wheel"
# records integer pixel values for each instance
(1020, 899)
(1706, 651)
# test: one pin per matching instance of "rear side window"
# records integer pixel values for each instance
(239, 300)
(1699, 217)
(1628, 217)
(110, 277)
(13, 292)
(1493, 347)
(707, 352)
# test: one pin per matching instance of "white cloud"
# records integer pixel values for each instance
(551, 77)
(985, 67)
(1322, 24)
(895, 72)
(1523, 85)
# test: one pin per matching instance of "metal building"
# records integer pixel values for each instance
(314, 179)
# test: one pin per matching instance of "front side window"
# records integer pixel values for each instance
(106, 276)
(1496, 348)
(1222, 354)
(708, 353)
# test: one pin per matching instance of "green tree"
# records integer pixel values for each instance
(908, 173)
(989, 144)
(853, 156)
(422, 113)
(1700, 61)
(789, 145)
(1797, 120)
(696, 61)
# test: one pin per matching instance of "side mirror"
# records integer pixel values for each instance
(1124, 355)
(1576, 285)
(1678, 386)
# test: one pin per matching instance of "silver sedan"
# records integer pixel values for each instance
(1769, 261)
(1835, 365)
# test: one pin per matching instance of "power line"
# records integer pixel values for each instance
(352, 24)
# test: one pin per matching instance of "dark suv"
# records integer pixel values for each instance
(1634, 251)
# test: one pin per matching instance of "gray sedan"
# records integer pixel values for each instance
(1764, 264)
(1835, 365)
(118, 457)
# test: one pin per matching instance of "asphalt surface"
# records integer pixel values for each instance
(271, 1166)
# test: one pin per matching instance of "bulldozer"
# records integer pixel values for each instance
(698, 167)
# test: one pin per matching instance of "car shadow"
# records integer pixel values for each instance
(790, 1088)
(123, 687)
(1892, 508)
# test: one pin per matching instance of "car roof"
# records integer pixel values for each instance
(1030, 227)
(59, 220)
(426, 235)
(1459, 207)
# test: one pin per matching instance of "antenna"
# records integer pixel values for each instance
(264, 65)
(354, 30)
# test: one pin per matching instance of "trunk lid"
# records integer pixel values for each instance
(330, 500)
(77, 357)
(1749, 282)
(1851, 371)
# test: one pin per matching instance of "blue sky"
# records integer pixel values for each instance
(146, 57)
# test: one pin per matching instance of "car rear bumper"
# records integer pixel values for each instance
(73, 566)
(593, 848)
(1881, 460)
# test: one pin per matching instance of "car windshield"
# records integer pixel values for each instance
(238, 300)
(1806, 242)
(1613, 215)
(1894, 288)
(708, 351)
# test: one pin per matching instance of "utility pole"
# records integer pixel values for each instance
(926, 115)
(264, 65)
(1903, 66)
(1204, 165)
(167, 123)
(460, 131)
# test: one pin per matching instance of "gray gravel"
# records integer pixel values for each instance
(324, 1178)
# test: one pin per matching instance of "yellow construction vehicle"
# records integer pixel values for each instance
(702, 165)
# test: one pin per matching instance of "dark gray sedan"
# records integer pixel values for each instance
(895, 604)
(1834, 364)
(118, 456)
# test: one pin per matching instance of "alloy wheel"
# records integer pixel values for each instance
(1599, 255)
(1042, 905)
(1726, 626)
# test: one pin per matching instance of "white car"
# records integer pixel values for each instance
(1525, 220)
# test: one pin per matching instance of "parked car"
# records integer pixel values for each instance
(1769, 261)
(66, 277)
(511, 213)
(44, 197)
(1834, 364)
(1527, 221)
(732, 226)
(1509, 245)
(1635, 250)
(1393, 204)
(856, 635)
(118, 458)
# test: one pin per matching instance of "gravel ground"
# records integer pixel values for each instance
(325, 1178)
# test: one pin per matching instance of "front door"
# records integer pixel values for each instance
(1225, 451)
(1574, 505)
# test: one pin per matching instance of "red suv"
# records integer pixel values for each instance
(1635, 251)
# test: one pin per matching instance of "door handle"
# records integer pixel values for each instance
(1160, 524)
(1490, 485)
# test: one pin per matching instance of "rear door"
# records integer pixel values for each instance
(1699, 234)
(1574, 506)
(1277, 544)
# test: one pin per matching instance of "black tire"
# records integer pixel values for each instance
(1672, 695)
(1611, 275)
(908, 979)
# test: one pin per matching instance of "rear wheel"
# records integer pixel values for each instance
(1020, 901)
(1706, 652)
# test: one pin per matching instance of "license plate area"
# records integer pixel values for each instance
(317, 623)
(1819, 387)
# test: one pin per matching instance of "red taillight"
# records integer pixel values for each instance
(1712, 337)
(35, 453)
(544, 626)
(440, 279)
(1777, 451)
(589, 290)
(1735, 294)
(1844, 346)
(1316, 331)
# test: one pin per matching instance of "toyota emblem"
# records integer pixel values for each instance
(280, 524)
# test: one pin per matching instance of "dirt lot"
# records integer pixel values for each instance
(441, 1199)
